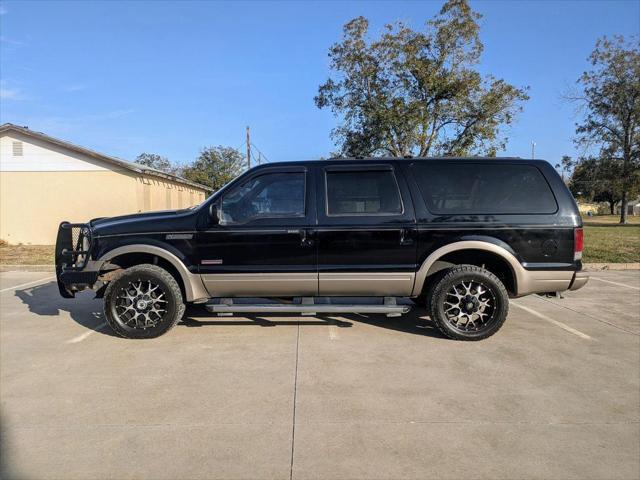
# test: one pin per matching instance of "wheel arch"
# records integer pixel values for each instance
(497, 255)
(191, 284)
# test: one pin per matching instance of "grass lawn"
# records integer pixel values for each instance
(604, 242)
(607, 220)
(26, 254)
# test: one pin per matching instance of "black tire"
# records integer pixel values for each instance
(133, 310)
(482, 295)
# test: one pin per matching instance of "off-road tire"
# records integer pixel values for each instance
(174, 306)
(465, 273)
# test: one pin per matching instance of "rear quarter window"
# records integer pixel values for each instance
(477, 188)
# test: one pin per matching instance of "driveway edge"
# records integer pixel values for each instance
(594, 267)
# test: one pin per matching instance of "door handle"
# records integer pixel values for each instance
(306, 239)
(405, 237)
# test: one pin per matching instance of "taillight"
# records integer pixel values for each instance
(578, 243)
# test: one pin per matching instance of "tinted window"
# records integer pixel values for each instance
(269, 195)
(484, 188)
(362, 193)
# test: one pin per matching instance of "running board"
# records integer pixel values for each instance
(390, 308)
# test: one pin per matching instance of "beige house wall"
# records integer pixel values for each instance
(32, 204)
(34, 201)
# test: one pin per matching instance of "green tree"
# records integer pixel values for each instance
(597, 180)
(156, 161)
(215, 166)
(611, 99)
(417, 92)
(565, 165)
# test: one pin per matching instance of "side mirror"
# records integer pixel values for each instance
(214, 213)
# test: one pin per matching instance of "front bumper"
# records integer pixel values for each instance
(579, 280)
(74, 270)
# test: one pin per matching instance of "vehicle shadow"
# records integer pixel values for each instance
(412, 322)
(6, 468)
(197, 316)
(45, 300)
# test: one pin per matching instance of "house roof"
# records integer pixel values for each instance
(134, 167)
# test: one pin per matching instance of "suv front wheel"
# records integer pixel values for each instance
(145, 301)
(468, 303)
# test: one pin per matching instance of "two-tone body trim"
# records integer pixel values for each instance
(261, 284)
(526, 281)
(193, 287)
(366, 284)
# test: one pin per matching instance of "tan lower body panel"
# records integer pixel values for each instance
(366, 284)
(306, 284)
(543, 281)
(261, 284)
(581, 280)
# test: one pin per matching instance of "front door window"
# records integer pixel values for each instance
(266, 196)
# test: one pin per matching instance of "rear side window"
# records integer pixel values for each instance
(476, 188)
(363, 193)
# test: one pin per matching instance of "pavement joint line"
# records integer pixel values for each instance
(333, 332)
(614, 283)
(333, 328)
(33, 283)
(295, 394)
(565, 327)
(590, 316)
(85, 335)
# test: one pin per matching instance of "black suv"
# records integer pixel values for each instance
(459, 236)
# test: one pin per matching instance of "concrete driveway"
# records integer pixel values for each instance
(555, 394)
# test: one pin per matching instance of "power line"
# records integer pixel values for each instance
(260, 152)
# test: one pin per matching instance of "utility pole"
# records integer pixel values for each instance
(248, 148)
(533, 150)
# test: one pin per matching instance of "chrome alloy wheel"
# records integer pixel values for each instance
(140, 304)
(469, 306)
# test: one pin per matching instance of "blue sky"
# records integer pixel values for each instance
(171, 77)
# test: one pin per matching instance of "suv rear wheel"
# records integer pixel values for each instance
(468, 303)
(145, 301)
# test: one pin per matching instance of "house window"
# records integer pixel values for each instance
(17, 149)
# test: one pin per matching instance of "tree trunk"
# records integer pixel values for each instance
(623, 207)
(612, 206)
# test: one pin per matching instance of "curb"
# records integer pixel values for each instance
(595, 267)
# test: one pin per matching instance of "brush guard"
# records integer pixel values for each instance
(73, 247)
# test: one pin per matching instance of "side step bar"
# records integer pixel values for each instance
(226, 307)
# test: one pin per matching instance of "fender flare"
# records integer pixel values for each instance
(193, 286)
(519, 273)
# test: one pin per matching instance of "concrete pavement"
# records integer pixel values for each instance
(555, 394)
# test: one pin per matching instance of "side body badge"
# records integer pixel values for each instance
(179, 236)
(216, 261)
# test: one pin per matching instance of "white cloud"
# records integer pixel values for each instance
(64, 125)
(7, 93)
(10, 41)
(75, 87)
